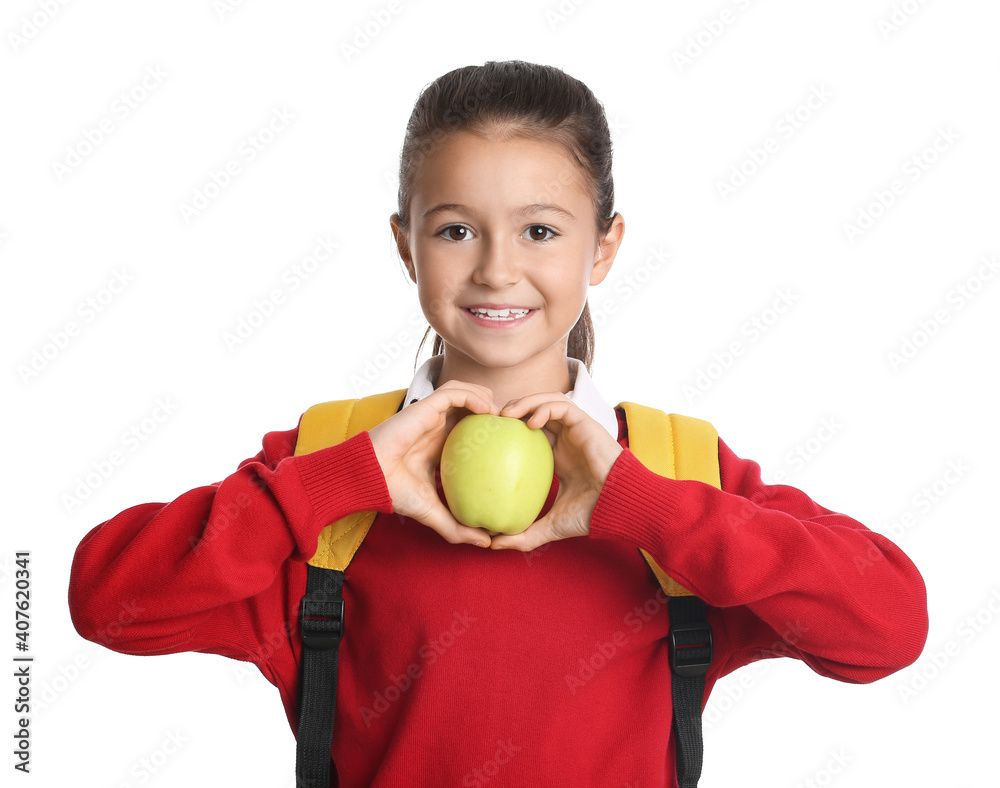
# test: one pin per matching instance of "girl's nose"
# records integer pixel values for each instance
(497, 267)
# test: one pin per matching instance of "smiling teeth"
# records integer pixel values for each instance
(500, 314)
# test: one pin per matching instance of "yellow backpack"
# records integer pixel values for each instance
(678, 447)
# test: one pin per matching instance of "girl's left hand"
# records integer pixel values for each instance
(583, 453)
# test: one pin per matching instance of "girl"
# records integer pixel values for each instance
(470, 659)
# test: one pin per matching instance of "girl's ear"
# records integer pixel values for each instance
(402, 245)
(607, 250)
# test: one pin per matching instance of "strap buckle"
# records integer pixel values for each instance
(321, 621)
(690, 648)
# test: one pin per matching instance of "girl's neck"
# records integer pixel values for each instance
(508, 383)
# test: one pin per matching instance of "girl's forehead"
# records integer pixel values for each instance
(521, 170)
(485, 146)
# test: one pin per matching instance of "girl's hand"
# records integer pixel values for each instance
(408, 446)
(583, 452)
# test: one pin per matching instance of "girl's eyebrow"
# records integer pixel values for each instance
(524, 210)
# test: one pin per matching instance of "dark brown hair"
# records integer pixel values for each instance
(512, 98)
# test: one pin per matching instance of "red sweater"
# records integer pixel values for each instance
(467, 667)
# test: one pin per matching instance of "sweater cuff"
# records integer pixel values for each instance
(636, 504)
(360, 483)
(332, 483)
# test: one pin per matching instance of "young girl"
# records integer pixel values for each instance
(464, 662)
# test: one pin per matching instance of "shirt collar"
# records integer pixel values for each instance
(583, 391)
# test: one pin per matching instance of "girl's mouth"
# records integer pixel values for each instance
(506, 317)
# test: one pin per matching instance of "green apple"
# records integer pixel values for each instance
(496, 472)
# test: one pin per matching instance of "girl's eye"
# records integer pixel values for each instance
(544, 228)
(448, 232)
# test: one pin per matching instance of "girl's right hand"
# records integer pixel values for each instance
(408, 447)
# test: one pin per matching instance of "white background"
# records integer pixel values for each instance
(893, 85)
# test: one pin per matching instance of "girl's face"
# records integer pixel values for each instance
(503, 225)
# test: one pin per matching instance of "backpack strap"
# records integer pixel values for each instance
(675, 446)
(680, 447)
(321, 611)
(328, 424)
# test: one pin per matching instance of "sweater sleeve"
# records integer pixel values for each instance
(160, 578)
(791, 577)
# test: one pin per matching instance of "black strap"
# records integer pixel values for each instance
(690, 643)
(321, 621)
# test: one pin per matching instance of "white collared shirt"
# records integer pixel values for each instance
(584, 393)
